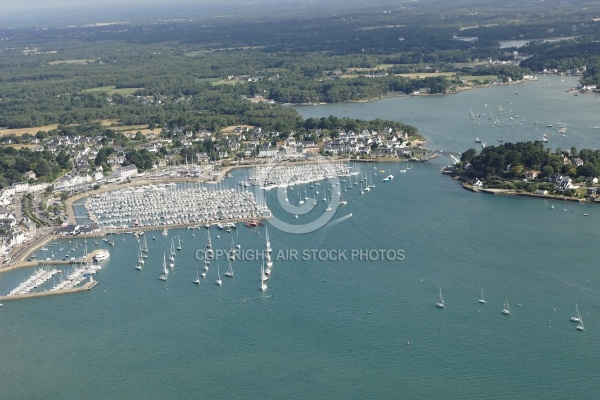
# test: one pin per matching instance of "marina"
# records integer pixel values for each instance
(171, 205)
(275, 175)
(76, 272)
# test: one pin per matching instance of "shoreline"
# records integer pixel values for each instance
(391, 95)
(512, 192)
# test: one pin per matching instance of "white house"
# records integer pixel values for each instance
(125, 172)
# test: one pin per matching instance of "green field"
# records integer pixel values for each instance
(480, 78)
(83, 61)
(113, 90)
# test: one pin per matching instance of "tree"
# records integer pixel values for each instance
(468, 155)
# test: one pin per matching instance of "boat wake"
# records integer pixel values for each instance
(340, 219)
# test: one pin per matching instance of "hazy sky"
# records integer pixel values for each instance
(32, 5)
(37, 5)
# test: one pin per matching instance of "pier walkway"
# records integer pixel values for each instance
(86, 286)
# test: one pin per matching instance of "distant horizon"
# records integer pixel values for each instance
(40, 13)
(34, 6)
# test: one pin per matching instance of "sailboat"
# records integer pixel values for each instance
(580, 326)
(269, 262)
(268, 242)
(172, 252)
(367, 187)
(140, 261)
(342, 201)
(165, 273)
(577, 316)
(219, 281)
(197, 280)
(506, 308)
(440, 303)
(263, 284)
(209, 251)
(371, 185)
(267, 269)
(140, 257)
(144, 246)
(229, 272)
(232, 250)
(178, 243)
(482, 299)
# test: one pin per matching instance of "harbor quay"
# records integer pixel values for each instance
(85, 287)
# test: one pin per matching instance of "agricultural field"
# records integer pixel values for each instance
(113, 90)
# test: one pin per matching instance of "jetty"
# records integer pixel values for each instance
(34, 263)
(86, 286)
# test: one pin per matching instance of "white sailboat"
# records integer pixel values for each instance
(197, 280)
(482, 299)
(580, 326)
(263, 283)
(178, 243)
(266, 270)
(269, 261)
(229, 272)
(506, 308)
(140, 263)
(140, 257)
(209, 250)
(219, 281)
(329, 208)
(268, 242)
(172, 252)
(440, 302)
(232, 250)
(144, 245)
(577, 316)
(165, 273)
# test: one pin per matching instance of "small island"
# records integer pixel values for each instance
(530, 169)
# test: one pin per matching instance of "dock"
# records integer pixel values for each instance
(35, 263)
(86, 286)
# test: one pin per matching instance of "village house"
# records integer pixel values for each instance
(531, 174)
(29, 175)
(125, 171)
(70, 181)
(565, 183)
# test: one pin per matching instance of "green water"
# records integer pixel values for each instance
(337, 329)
